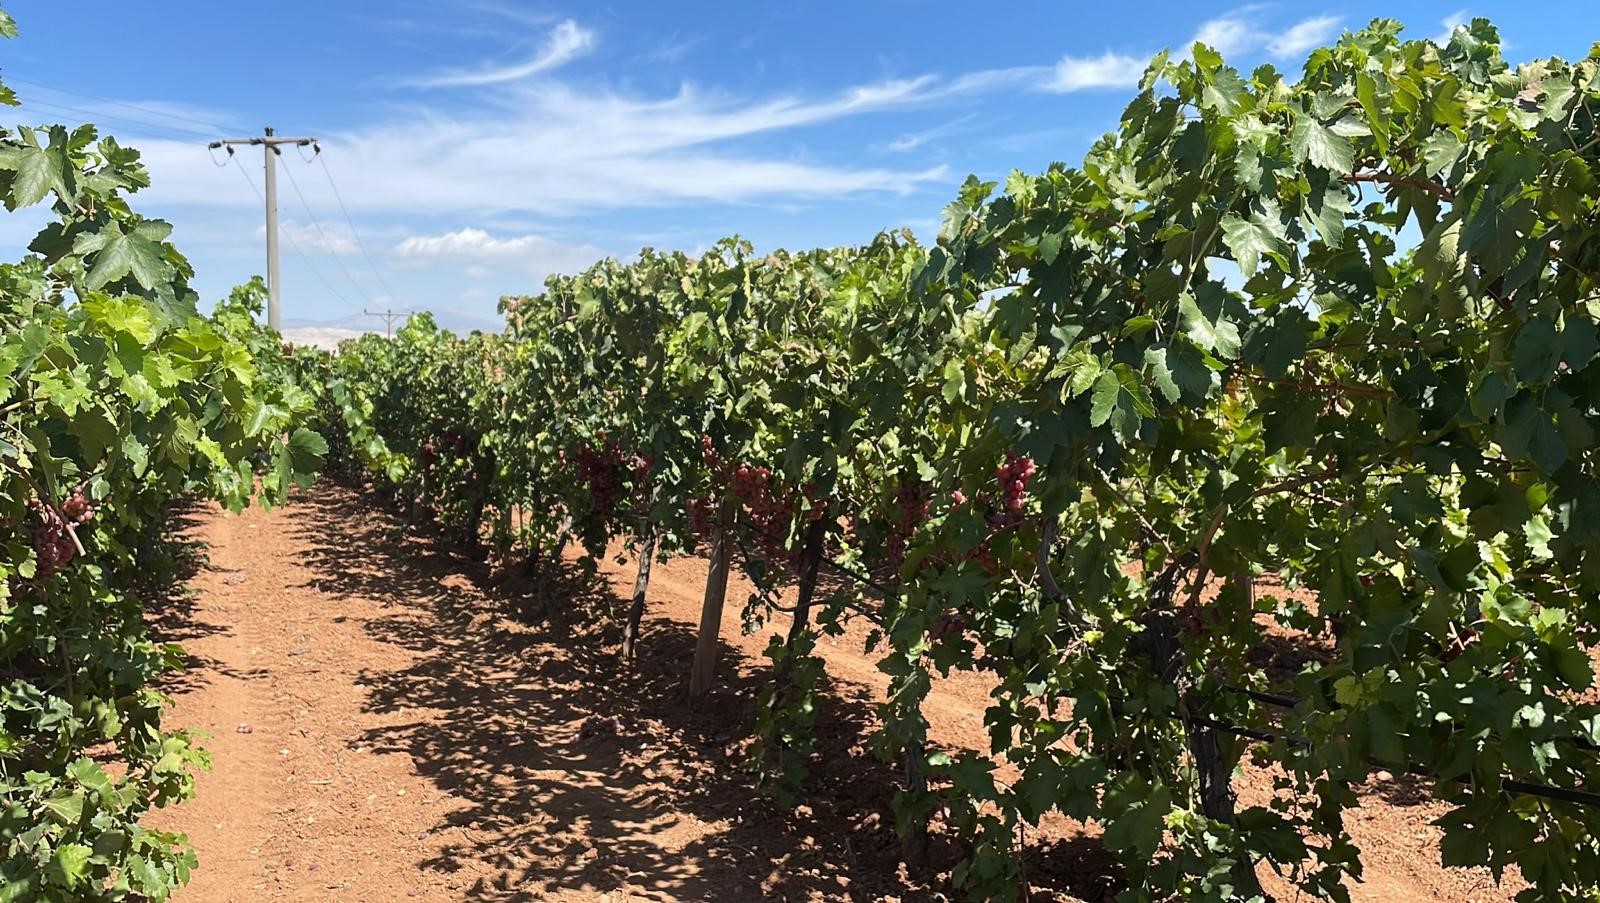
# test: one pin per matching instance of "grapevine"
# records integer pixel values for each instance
(1115, 424)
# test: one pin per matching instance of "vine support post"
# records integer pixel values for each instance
(641, 585)
(705, 650)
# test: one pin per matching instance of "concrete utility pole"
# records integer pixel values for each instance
(389, 317)
(270, 143)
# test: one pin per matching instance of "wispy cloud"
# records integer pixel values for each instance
(913, 140)
(1236, 34)
(1229, 35)
(1244, 31)
(565, 43)
(1448, 26)
(675, 47)
(1303, 36)
(549, 148)
(1108, 70)
(528, 255)
(477, 244)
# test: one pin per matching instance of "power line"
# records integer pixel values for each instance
(91, 116)
(327, 242)
(353, 230)
(211, 127)
(292, 245)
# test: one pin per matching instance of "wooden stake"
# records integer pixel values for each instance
(630, 630)
(705, 650)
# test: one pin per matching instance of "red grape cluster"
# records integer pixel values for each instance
(432, 447)
(770, 510)
(769, 513)
(52, 541)
(912, 503)
(77, 508)
(702, 516)
(600, 470)
(1013, 477)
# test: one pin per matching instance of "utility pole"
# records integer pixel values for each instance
(389, 317)
(270, 143)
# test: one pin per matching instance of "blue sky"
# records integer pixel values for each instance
(479, 145)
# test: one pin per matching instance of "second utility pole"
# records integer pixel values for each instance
(389, 317)
(270, 142)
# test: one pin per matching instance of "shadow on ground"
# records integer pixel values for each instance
(662, 806)
(171, 611)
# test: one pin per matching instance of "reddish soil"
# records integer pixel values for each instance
(386, 727)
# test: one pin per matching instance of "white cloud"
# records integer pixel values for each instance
(675, 48)
(1448, 26)
(1240, 32)
(476, 271)
(1229, 36)
(313, 240)
(1304, 36)
(1108, 70)
(527, 253)
(548, 148)
(543, 147)
(1235, 34)
(565, 43)
(914, 140)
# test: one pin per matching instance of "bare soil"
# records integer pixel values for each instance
(387, 725)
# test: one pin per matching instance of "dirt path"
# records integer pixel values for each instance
(383, 729)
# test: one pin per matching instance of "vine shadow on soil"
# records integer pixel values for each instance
(663, 806)
(171, 609)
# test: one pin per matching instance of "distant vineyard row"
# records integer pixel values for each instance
(1336, 332)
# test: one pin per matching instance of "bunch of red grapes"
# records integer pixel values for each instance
(449, 439)
(641, 468)
(600, 470)
(52, 540)
(1004, 511)
(912, 503)
(708, 453)
(770, 510)
(1013, 477)
(948, 624)
(769, 513)
(702, 516)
